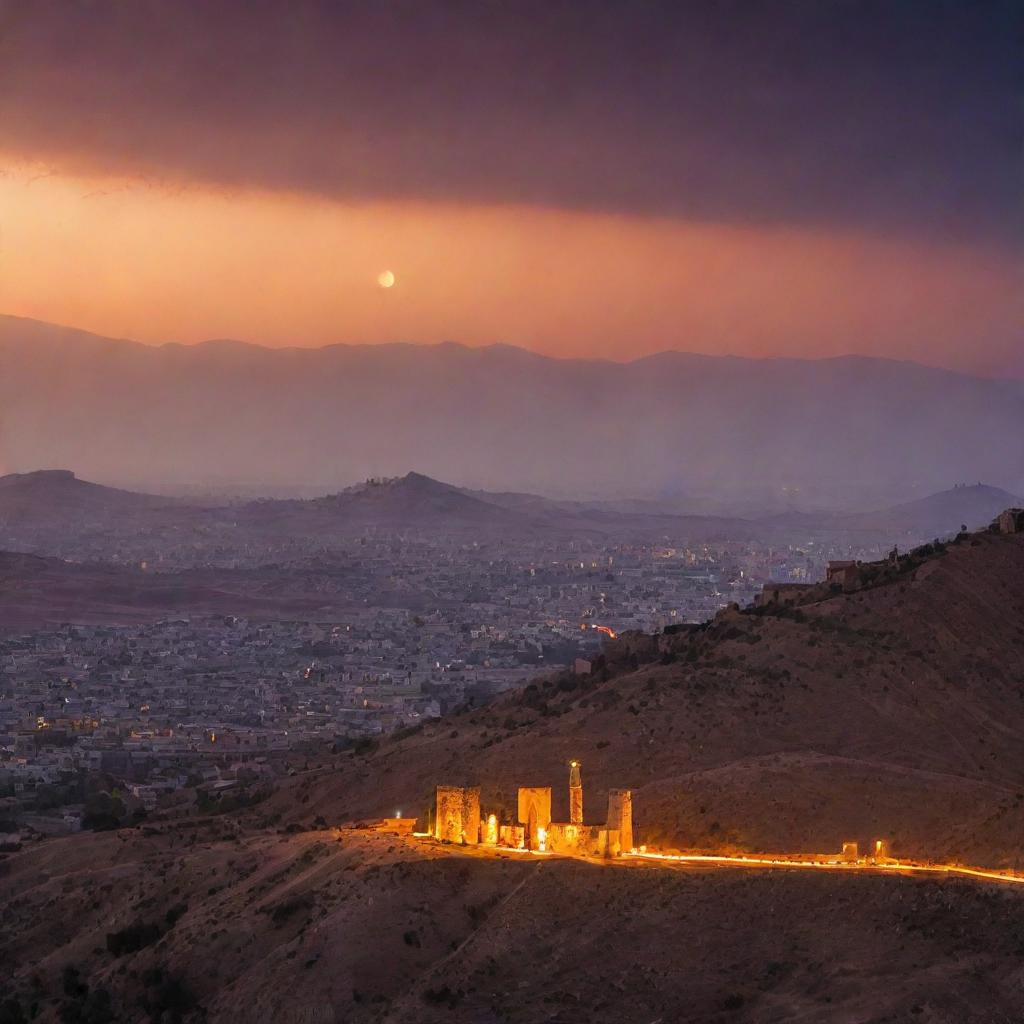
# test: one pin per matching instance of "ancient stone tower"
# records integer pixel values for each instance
(620, 817)
(535, 814)
(457, 814)
(575, 794)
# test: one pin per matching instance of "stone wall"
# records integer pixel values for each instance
(571, 840)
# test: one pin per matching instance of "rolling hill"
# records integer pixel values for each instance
(943, 514)
(938, 515)
(52, 512)
(58, 498)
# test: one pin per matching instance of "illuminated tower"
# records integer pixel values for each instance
(575, 794)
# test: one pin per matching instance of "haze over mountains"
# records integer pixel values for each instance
(841, 433)
(52, 512)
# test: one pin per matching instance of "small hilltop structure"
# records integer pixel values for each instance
(457, 818)
(1009, 521)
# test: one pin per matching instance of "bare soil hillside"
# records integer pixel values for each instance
(209, 922)
(896, 711)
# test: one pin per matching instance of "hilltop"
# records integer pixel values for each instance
(410, 502)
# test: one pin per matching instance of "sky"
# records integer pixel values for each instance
(586, 179)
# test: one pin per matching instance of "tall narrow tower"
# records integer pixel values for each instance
(575, 794)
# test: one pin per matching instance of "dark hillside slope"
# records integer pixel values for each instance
(365, 929)
(893, 712)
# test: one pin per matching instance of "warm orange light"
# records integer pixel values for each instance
(199, 262)
(832, 863)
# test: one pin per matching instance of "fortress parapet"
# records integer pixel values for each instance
(574, 837)
(456, 818)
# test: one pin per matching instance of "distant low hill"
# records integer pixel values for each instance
(409, 501)
(52, 512)
(847, 432)
(942, 514)
(59, 494)
(971, 506)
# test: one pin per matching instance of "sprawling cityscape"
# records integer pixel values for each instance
(167, 710)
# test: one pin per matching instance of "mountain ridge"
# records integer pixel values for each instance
(843, 431)
(11, 322)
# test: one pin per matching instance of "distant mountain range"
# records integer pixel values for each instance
(754, 434)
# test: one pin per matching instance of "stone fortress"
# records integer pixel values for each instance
(457, 818)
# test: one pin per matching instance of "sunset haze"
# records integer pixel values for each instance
(527, 176)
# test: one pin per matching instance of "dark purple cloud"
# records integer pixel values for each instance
(890, 116)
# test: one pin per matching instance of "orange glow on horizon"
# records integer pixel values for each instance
(155, 263)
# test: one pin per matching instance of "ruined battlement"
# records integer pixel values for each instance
(457, 818)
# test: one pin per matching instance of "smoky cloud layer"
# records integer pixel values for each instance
(886, 117)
